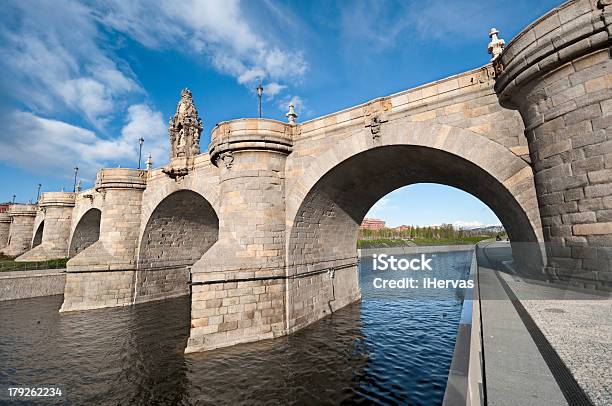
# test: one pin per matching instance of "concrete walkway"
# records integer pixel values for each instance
(550, 347)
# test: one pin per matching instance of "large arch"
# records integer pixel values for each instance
(86, 232)
(38, 235)
(181, 228)
(338, 188)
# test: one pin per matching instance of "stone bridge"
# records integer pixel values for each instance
(262, 228)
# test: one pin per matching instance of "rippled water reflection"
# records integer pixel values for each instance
(387, 350)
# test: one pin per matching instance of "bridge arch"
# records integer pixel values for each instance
(179, 230)
(86, 232)
(332, 196)
(38, 235)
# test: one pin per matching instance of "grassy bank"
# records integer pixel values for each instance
(9, 264)
(398, 242)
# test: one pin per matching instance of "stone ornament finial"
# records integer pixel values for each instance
(149, 163)
(496, 46)
(185, 128)
(291, 114)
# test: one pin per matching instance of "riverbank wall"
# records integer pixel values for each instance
(26, 284)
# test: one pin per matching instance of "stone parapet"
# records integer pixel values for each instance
(27, 210)
(558, 74)
(57, 199)
(120, 178)
(247, 134)
(430, 101)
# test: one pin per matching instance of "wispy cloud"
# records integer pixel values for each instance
(52, 146)
(59, 59)
(51, 61)
(383, 209)
(215, 28)
(381, 25)
(299, 104)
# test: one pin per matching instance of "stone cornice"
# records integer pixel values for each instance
(5, 218)
(58, 199)
(121, 178)
(27, 210)
(424, 98)
(573, 29)
(249, 134)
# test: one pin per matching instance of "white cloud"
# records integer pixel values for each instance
(59, 58)
(52, 61)
(298, 103)
(46, 145)
(272, 89)
(383, 209)
(146, 123)
(216, 28)
(380, 25)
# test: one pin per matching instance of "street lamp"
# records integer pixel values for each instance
(14, 196)
(259, 94)
(76, 171)
(38, 193)
(140, 142)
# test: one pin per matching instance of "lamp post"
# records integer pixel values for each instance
(76, 171)
(259, 94)
(38, 193)
(14, 196)
(140, 143)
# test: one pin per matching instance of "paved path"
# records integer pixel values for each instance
(551, 347)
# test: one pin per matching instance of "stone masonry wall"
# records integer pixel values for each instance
(21, 229)
(180, 230)
(558, 73)
(95, 290)
(161, 284)
(26, 284)
(5, 226)
(248, 304)
(115, 250)
(53, 232)
(86, 232)
(38, 235)
(119, 224)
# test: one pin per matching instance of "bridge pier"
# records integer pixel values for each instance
(238, 292)
(103, 274)
(57, 213)
(5, 226)
(558, 74)
(21, 229)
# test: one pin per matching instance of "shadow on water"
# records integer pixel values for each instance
(383, 350)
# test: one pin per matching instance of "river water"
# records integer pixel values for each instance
(389, 348)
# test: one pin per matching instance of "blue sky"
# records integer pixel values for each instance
(82, 81)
